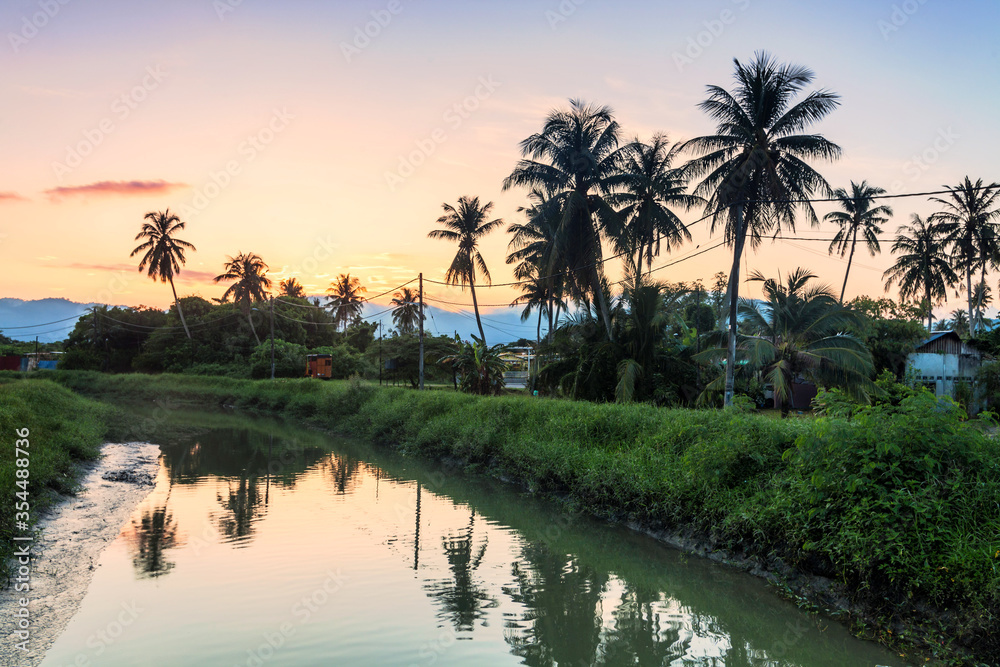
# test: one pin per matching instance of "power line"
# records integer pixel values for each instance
(43, 324)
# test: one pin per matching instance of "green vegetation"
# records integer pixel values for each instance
(64, 429)
(895, 501)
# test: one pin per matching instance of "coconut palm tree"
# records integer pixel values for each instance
(859, 215)
(649, 185)
(923, 269)
(573, 157)
(292, 288)
(249, 273)
(800, 334)
(164, 253)
(534, 248)
(345, 299)
(406, 313)
(467, 225)
(754, 167)
(969, 220)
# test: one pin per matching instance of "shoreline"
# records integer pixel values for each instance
(69, 539)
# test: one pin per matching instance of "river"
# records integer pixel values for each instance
(264, 543)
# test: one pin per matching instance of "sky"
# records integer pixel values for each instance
(325, 136)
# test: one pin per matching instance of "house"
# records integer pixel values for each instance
(942, 360)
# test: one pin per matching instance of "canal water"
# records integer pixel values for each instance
(268, 544)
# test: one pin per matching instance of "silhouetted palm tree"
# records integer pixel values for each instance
(755, 174)
(533, 246)
(164, 253)
(467, 225)
(291, 287)
(859, 215)
(969, 222)
(649, 185)
(801, 334)
(922, 269)
(249, 272)
(406, 310)
(345, 299)
(573, 157)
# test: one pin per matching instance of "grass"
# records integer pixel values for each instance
(898, 504)
(63, 430)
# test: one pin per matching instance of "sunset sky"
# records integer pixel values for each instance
(282, 128)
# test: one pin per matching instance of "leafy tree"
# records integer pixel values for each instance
(922, 269)
(345, 299)
(800, 333)
(573, 158)
(249, 273)
(480, 367)
(406, 313)
(289, 360)
(754, 167)
(466, 225)
(968, 222)
(164, 254)
(648, 186)
(860, 215)
(292, 288)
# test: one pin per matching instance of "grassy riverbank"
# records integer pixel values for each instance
(898, 505)
(63, 429)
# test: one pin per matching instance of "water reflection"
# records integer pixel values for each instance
(150, 535)
(488, 565)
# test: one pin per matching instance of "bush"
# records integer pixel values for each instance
(289, 360)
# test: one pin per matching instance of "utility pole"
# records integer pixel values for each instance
(421, 318)
(272, 338)
(380, 353)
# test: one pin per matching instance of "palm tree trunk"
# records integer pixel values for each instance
(930, 309)
(178, 304)
(475, 306)
(968, 285)
(605, 313)
(734, 286)
(850, 258)
(252, 327)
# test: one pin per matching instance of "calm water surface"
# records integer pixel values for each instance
(267, 544)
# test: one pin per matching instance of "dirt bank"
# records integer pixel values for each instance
(68, 542)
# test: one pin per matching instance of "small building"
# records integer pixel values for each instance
(319, 366)
(943, 360)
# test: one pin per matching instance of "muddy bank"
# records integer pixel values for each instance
(69, 539)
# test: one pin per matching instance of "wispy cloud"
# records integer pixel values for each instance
(114, 188)
(186, 275)
(11, 196)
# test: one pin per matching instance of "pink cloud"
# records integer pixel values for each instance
(11, 196)
(125, 188)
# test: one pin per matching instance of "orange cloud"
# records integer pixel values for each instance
(11, 196)
(126, 188)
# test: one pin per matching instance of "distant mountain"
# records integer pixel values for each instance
(49, 319)
(52, 320)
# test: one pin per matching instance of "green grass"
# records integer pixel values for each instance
(899, 504)
(63, 429)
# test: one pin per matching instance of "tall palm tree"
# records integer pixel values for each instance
(406, 313)
(533, 246)
(649, 185)
(801, 334)
(859, 215)
(969, 220)
(291, 287)
(466, 225)
(755, 174)
(164, 253)
(249, 273)
(573, 157)
(345, 299)
(923, 268)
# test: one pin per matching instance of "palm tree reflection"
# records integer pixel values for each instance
(149, 537)
(463, 599)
